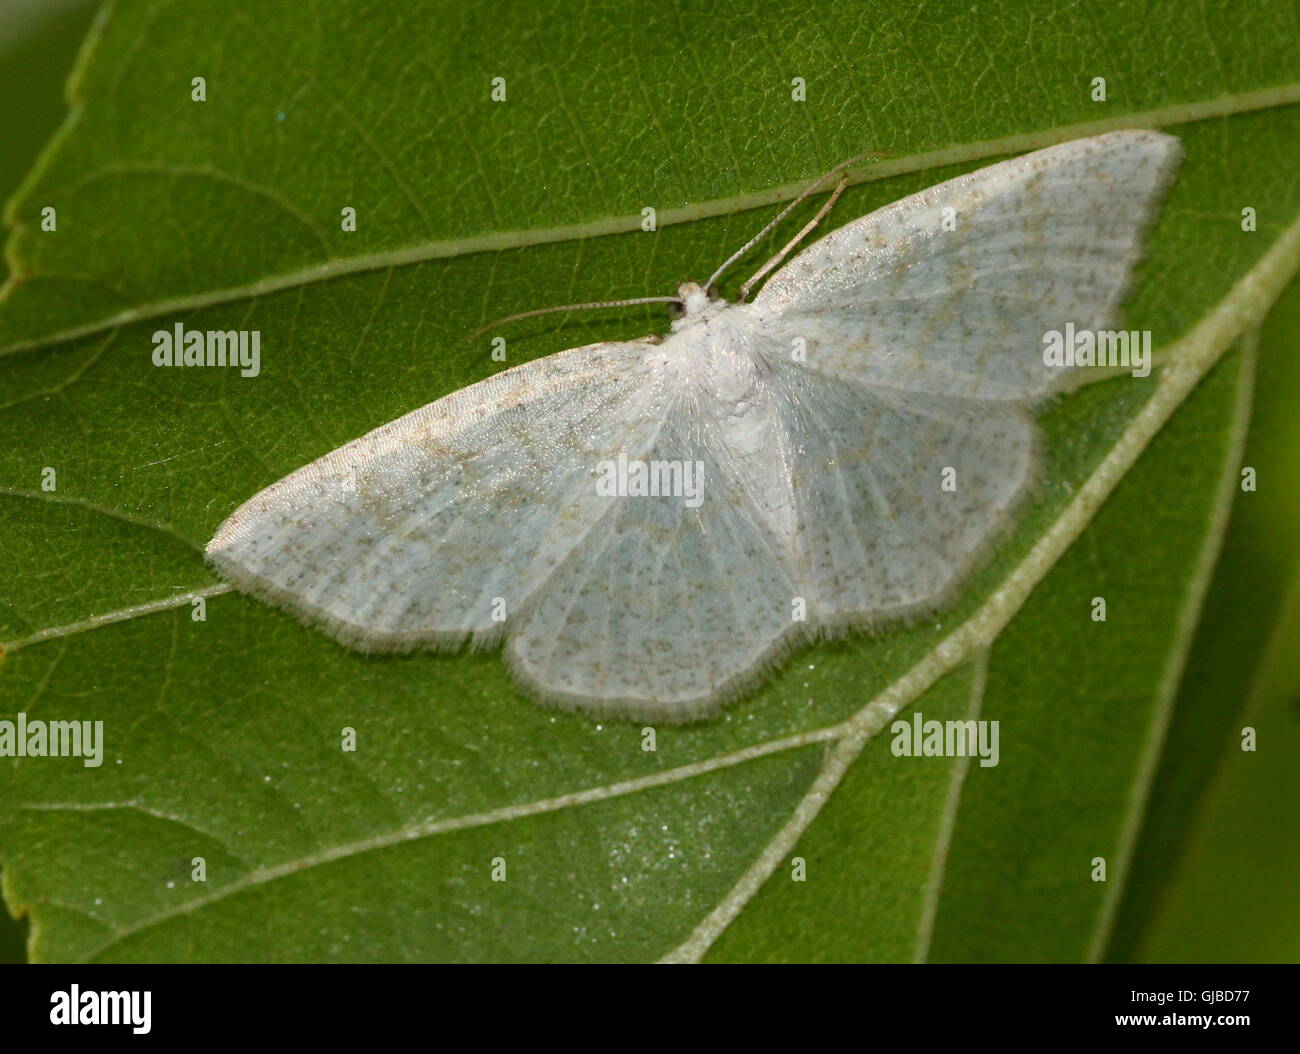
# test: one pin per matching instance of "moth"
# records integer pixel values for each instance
(857, 435)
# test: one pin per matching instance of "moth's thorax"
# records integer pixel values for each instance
(713, 347)
(732, 386)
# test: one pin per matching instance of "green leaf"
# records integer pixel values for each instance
(37, 44)
(223, 736)
(1242, 836)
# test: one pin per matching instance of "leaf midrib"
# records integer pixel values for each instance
(338, 267)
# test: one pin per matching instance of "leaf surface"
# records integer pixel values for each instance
(223, 736)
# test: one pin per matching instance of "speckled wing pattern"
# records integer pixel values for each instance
(661, 609)
(895, 300)
(408, 535)
(823, 505)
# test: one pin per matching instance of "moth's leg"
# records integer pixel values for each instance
(649, 338)
(767, 267)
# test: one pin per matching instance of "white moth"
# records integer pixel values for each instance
(649, 526)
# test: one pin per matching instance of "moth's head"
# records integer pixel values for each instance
(698, 303)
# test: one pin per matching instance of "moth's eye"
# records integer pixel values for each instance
(676, 310)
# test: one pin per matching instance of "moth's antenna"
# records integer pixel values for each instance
(821, 213)
(810, 189)
(576, 307)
